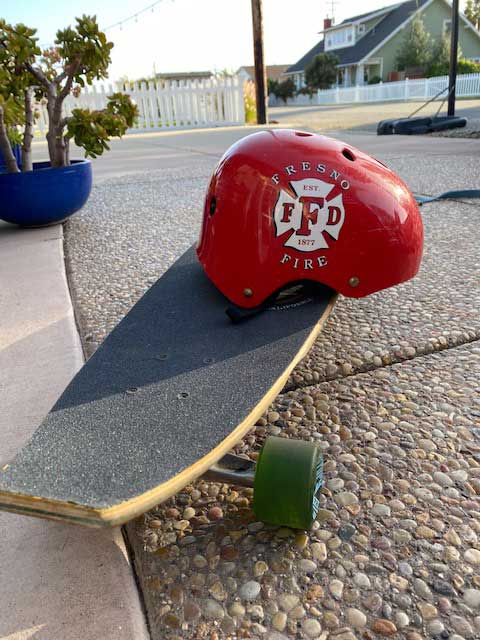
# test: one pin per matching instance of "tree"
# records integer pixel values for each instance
(472, 12)
(17, 50)
(283, 90)
(272, 86)
(440, 61)
(321, 73)
(416, 47)
(225, 73)
(80, 56)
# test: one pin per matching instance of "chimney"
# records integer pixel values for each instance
(327, 23)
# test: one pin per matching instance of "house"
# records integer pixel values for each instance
(367, 44)
(274, 72)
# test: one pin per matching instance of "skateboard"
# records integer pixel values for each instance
(164, 399)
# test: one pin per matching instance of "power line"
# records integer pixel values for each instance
(134, 16)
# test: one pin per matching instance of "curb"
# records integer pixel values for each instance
(56, 580)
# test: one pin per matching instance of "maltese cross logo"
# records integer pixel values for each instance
(310, 217)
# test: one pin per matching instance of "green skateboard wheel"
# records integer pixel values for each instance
(288, 477)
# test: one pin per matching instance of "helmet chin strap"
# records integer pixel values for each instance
(291, 295)
(239, 314)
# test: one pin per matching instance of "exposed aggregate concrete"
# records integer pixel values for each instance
(395, 550)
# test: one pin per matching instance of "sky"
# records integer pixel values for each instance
(190, 35)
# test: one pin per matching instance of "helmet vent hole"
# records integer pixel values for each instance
(213, 205)
(348, 155)
(303, 134)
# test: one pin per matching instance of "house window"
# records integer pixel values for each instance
(339, 38)
(447, 27)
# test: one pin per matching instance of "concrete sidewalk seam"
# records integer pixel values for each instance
(136, 576)
(71, 292)
(447, 348)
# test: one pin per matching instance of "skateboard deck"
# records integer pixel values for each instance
(169, 392)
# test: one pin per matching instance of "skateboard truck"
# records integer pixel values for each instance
(286, 480)
(232, 469)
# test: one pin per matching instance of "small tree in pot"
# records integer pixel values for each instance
(80, 56)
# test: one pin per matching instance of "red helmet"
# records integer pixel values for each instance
(287, 206)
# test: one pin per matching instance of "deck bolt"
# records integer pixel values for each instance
(354, 281)
(248, 293)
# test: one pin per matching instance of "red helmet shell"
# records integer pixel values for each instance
(284, 206)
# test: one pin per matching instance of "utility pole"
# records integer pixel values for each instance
(453, 59)
(260, 70)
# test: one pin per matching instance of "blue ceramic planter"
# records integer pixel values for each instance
(45, 195)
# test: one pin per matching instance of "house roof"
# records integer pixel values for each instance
(364, 16)
(274, 71)
(351, 55)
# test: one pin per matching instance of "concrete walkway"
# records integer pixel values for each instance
(56, 580)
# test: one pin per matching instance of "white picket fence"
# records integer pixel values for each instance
(173, 105)
(419, 89)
